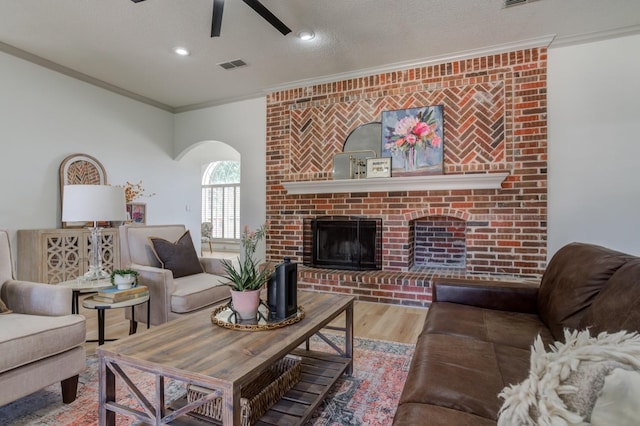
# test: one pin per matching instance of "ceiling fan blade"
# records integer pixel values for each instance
(266, 14)
(137, 1)
(216, 20)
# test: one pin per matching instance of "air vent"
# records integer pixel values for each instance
(236, 63)
(509, 3)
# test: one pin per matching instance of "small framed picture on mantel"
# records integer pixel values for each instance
(379, 167)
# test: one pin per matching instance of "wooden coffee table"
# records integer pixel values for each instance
(196, 351)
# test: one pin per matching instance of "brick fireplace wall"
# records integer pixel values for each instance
(494, 121)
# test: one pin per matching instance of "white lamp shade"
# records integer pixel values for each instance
(93, 203)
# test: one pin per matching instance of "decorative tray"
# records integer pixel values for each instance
(225, 317)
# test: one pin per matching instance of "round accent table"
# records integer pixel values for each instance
(80, 286)
(89, 303)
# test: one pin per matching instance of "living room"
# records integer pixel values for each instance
(592, 194)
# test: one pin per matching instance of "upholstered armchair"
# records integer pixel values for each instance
(206, 234)
(40, 341)
(179, 281)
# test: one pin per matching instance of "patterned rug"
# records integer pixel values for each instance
(369, 397)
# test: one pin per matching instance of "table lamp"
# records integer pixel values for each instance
(93, 203)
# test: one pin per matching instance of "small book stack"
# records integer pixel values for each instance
(113, 295)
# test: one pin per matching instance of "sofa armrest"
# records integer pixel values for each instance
(515, 296)
(212, 265)
(24, 297)
(161, 286)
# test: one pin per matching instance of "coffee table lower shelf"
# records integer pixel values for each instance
(320, 370)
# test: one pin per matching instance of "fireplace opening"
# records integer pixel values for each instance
(349, 243)
(439, 242)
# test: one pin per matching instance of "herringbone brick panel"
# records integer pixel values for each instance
(473, 125)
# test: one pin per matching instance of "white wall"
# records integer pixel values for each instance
(46, 116)
(594, 147)
(241, 125)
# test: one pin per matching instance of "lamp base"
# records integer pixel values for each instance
(95, 271)
(95, 274)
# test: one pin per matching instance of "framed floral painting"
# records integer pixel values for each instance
(413, 139)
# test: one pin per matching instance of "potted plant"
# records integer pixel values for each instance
(246, 277)
(124, 278)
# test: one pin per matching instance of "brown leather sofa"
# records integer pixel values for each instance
(477, 335)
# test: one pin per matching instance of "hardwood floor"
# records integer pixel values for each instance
(371, 320)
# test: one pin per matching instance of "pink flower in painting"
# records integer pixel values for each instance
(405, 126)
(411, 139)
(435, 141)
(421, 129)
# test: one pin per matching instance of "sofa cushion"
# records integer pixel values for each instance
(28, 338)
(462, 373)
(616, 307)
(4, 309)
(194, 292)
(573, 278)
(136, 247)
(502, 327)
(179, 257)
(411, 414)
(6, 261)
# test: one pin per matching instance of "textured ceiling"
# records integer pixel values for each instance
(128, 47)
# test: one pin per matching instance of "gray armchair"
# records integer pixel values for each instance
(169, 297)
(40, 341)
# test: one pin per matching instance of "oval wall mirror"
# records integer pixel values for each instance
(365, 137)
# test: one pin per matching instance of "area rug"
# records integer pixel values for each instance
(369, 397)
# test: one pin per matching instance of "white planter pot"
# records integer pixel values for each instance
(123, 281)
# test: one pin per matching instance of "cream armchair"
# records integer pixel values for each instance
(169, 297)
(40, 341)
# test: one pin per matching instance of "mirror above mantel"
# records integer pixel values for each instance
(416, 183)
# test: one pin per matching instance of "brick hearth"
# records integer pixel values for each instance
(494, 121)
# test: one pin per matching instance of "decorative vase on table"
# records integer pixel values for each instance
(246, 303)
(123, 281)
(245, 277)
(124, 278)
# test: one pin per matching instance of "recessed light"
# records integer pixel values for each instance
(306, 35)
(181, 51)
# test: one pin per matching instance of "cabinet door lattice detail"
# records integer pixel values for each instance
(56, 255)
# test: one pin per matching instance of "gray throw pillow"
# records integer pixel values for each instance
(179, 257)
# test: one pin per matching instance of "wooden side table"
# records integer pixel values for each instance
(89, 303)
(80, 286)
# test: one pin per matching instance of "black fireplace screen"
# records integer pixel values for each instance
(346, 243)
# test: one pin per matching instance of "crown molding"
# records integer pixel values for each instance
(53, 66)
(595, 36)
(543, 41)
(550, 41)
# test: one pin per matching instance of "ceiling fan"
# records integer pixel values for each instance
(218, 6)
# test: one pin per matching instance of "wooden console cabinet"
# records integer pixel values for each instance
(56, 255)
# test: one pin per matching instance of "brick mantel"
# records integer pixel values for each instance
(495, 133)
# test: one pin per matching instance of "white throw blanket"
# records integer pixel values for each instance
(577, 382)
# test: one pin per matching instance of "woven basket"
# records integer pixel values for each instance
(257, 397)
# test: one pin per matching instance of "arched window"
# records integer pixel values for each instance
(221, 199)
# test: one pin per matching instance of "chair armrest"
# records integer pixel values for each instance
(212, 265)
(515, 296)
(161, 286)
(24, 297)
